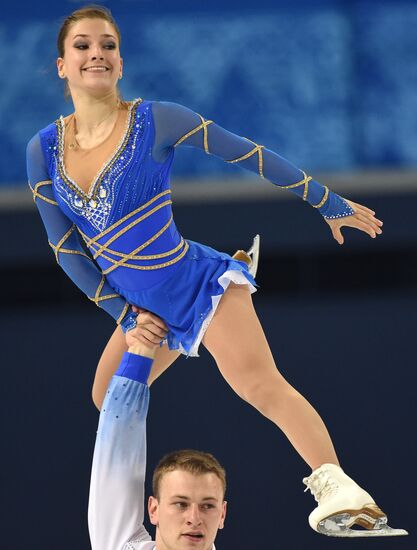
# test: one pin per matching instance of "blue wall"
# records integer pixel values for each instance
(329, 84)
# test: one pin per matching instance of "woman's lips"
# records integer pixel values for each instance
(96, 69)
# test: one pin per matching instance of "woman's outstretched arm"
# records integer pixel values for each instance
(176, 125)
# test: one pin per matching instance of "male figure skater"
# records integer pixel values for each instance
(187, 506)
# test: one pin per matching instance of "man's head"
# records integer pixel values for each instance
(188, 505)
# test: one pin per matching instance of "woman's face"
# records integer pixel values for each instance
(92, 61)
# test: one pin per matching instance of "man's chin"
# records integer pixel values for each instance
(199, 543)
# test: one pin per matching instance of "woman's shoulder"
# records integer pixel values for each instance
(47, 131)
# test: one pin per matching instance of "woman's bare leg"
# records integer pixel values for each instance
(238, 344)
(111, 357)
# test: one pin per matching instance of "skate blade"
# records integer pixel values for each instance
(254, 252)
(339, 526)
(251, 257)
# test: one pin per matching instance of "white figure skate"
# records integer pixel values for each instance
(251, 257)
(342, 504)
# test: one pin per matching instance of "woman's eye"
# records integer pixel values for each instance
(81, 46)
(110, 46)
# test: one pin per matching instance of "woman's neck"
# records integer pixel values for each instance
(93, 112)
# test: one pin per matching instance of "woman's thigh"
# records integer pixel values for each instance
(110, 360)
(237, 342)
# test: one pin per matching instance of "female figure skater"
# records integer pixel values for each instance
(102, 173)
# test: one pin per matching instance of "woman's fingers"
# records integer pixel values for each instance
(354, 221)
(357, 206)
(372, 222)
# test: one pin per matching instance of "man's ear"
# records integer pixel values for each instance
(223, 516)
(153, 510)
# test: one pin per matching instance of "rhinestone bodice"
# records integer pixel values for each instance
(127, 208)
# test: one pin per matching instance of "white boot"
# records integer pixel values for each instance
(342, 503)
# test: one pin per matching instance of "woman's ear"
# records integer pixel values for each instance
(60, 67)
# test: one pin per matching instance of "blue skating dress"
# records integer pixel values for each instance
(118, 242)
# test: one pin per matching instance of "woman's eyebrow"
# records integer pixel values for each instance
(87, 36)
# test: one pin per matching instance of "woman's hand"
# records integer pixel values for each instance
(150, 329)
(363, 219)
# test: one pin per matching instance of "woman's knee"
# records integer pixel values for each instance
(267, 395)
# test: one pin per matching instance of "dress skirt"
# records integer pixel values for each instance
(188, 298)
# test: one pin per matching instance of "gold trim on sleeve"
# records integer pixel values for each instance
(57, 248)
(97, 298)
(304, 181)
(323, 200)
(121, 316)
(202, 126)
(68, 251)
(37, 194)
(257, 149)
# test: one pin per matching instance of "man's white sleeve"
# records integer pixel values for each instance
(116, 504)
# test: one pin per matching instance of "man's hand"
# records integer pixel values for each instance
(363, 219)
(150, 329)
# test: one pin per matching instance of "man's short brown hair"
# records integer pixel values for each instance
(188, 460)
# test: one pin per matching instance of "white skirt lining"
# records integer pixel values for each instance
(230, 276)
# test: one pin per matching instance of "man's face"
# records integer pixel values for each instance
(189, 511)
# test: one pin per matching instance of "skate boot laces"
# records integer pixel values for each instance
(321, 485)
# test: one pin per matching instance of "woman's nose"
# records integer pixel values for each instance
(97, 53)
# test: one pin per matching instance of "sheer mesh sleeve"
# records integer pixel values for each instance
(176, 125)
(64, 240)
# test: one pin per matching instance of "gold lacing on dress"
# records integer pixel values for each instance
(35, 191)
(103, 249)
